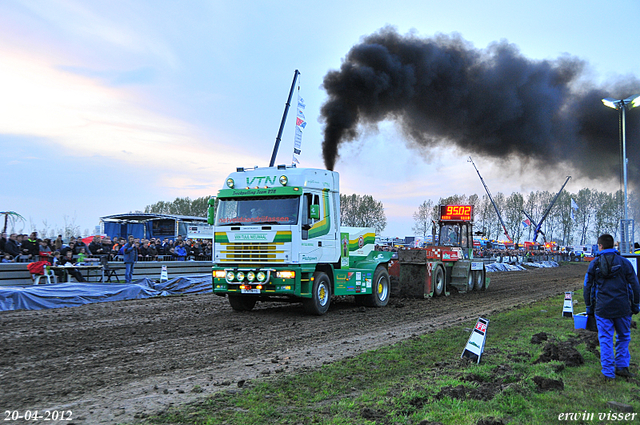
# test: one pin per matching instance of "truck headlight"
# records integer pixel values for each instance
(230, 276)
(251, 276)
(261, 276)
(286, 274)
(230, 183)
(219, 274)
(284, 180)
(240, 276)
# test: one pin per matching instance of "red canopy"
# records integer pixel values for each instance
(88, 239)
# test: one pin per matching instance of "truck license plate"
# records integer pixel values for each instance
(250, 291)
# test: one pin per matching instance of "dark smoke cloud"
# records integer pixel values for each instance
(493, 102)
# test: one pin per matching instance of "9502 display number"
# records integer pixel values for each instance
(36, 415)
(456, 212)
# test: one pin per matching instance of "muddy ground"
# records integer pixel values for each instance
(120, 361)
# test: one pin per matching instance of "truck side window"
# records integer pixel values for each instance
(316, 201)
(306, 221)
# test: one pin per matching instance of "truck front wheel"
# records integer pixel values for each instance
(242, 303)
(320, 299)
(381, 289)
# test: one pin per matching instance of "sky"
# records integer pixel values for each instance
(107, 107)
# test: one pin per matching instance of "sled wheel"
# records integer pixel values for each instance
(479, 279)
(320, 299)
(438, 281)
(242, 303)
(380, 290)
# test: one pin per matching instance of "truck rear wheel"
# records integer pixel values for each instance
(479, 279)
(242, 303)
(438, 281)
(320, 299)
(380, 290)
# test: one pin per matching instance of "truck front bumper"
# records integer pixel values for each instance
(262, 281)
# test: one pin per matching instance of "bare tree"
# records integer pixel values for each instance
(475, 201)
(550, 224)
(513, 215)
(70, 227)
(485, 216)
(608, 213)
(362, 211)
(423, 218)
(181, 206)
(587, 206)
(500, 201)
(531, 207)
(45, 231)
(562, 208)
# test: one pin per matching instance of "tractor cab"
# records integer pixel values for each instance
(456, 228)
(449, 263)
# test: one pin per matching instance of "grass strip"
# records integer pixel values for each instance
(423, 381)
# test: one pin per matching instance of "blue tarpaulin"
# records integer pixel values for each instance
(505, 267)
(39, 297)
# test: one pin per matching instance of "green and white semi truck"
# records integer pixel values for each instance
(277, 237)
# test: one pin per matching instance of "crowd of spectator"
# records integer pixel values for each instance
(30, 248)
(506, 255)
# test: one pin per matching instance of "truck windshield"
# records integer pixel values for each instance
(258, 210)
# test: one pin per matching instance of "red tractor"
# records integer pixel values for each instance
(433, 270)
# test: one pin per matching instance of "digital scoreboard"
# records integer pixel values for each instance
(456, 212)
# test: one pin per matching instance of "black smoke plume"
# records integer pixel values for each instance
(493, 102)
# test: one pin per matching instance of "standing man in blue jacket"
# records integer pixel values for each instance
(130, 258)
(612, 292)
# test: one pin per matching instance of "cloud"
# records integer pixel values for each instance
(138, 76)
(113, 26)
(83, 116)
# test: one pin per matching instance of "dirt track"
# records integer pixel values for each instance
(116, 362)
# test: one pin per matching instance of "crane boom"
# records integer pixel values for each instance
(534, 224)
(546, 213)
(284, 119)
(491, 199)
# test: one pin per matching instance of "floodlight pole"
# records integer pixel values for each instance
(623, 117)
(622, 105)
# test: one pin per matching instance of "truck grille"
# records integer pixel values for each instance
(249, 252)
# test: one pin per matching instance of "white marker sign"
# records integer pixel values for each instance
(567, 309)
(475, 345)
(164, 275)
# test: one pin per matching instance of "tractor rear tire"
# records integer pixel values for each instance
(438, 281)
(242, 303)
(320, 299)
(380, 289)
(471, 281)
(478, 277)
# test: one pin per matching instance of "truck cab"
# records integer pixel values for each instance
(277, 236)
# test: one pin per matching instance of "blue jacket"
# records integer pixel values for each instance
(612, 284)
(181, 252)
(130, 253)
